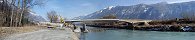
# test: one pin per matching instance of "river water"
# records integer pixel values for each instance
(123, 34)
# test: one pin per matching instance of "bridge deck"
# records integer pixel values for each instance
(125, 20)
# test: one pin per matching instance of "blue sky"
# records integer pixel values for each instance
(74, 8)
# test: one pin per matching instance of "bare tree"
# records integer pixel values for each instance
(26, 4)
(52, 16)
(4, 12)
(12, 11)
(188, 15)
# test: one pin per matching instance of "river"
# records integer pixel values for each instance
(123, 34)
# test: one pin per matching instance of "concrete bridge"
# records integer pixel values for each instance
(110, 23)
(114, 20)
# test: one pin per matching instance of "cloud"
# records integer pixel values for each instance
(180, 1)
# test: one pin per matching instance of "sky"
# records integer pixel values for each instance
(74, 8)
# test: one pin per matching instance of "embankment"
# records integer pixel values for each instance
(8, 31)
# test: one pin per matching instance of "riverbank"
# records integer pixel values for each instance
(37, 33)
(8, 31)
(176, 25)
(46, 34)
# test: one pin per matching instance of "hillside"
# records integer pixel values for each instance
(161, 10)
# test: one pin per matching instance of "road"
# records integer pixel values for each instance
(46, 34)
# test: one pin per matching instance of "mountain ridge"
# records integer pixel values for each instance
(161, 10)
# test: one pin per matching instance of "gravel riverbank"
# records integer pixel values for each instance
(44, 34)
(9, 31)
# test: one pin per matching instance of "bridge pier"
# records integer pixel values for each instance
(83, 29)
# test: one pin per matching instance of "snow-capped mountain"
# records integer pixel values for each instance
(161, 10)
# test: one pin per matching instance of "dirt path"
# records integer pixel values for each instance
(45, 34)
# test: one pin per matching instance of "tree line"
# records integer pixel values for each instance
(13, 12)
